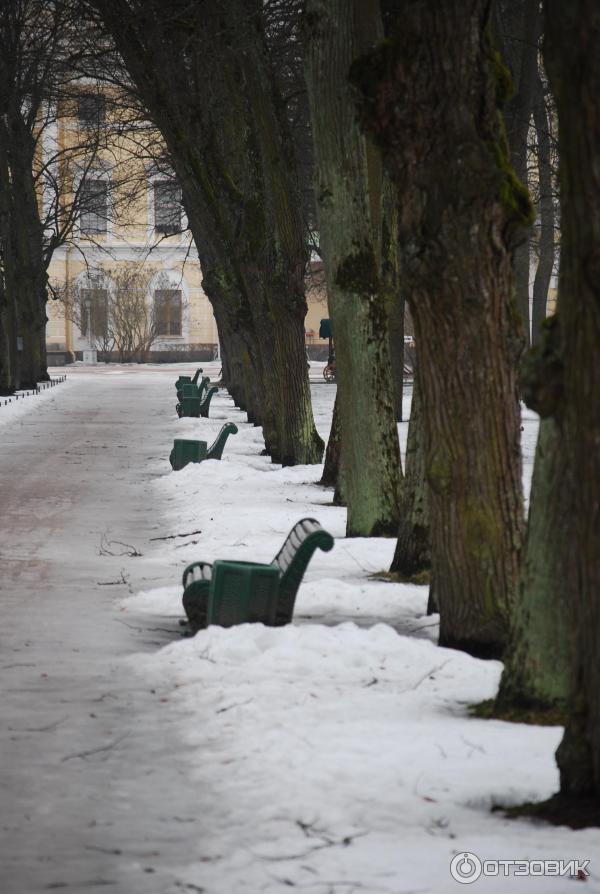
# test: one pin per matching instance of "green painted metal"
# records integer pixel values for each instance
(242, 592)
(188, 451)
(196, 582)
(191, 389)
(215, 451)
(205, 404)
(187, 380)
(306, 536)
(188, 406)
(287, 567)
(194, 402)
(325, 329)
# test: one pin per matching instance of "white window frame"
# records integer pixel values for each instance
(97, 173)
(95, 279)
(154, 236)
(167, 280)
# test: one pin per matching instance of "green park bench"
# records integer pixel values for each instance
(187, 451)
(195, 405)
(231, 592)
(192, 389)
(187, 380)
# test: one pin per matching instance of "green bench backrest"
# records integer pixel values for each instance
(215, 451)
(306, 536)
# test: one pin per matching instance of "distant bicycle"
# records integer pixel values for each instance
(330, 371)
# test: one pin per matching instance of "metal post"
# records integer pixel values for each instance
(89, 356)
(88, 310)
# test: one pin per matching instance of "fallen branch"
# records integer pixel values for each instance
(124, 579)
(39, 729)
(425, 677)
(105, 548)
(101, 748)
(236, 705)
(174, 536)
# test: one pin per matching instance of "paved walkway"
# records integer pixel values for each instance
(92, 793)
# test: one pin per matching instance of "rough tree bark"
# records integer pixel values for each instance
(391, 284)
(429, 98)
(517, 31)
(543, 274)
(28, 257)
(412, 555)
(202, 71)
(536, 666)
(9, 380)
(331, 467)
(572, 57)
(349, 199)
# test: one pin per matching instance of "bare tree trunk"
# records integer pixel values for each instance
(430, 102)
(332, 454)
(225, 130)
(23, 260)
(413, 550)
(9, 379)
(517, 29)
(572, 57)
(349, 208)
(391, 284)
(396, 341)
(536, 668)
(545, 266)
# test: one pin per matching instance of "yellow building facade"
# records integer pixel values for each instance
(128, 282)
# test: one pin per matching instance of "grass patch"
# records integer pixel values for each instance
(536, 716)
(422, 578)
(560, 810)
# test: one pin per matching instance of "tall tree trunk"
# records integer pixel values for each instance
(395, 317)
(518, 31)
(349, 211)
(9, 380)
(572, 57)
(413, 550)
(545, 266)
(203, 73)
(536, 668)
(28, 256)
(430, 102)
(332, 472)
(9, 373)
(391, 284)
(32, 320)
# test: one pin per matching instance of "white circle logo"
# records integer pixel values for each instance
(465, 868)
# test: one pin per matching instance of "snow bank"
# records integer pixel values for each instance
(335, 754)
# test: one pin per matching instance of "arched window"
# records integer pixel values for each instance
(94, 306)
(168, 311)
(170, 298)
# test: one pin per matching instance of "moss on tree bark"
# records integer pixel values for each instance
(350, 213)
(225, 128)
(429, 99)
(572, 56)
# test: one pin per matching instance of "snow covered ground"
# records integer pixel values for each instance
(333, 755)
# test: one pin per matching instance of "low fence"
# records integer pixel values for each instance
(41, 386)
